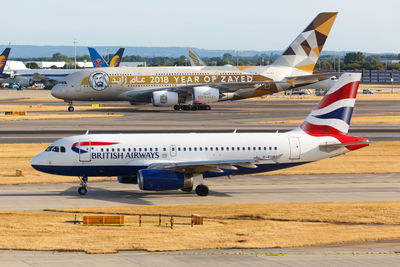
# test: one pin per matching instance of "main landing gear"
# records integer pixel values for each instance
(202, 190)
(82, 190)
(192, 107)
(70, 107)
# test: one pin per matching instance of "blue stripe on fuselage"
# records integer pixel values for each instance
(130, 170)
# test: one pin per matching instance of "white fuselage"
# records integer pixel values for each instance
(126, 154)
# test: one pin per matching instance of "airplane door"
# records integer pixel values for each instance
(172, 150)
(85, 150)
(294, 147)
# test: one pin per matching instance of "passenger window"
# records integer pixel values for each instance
(254, 148)
(200, 148)
(259, 148)
(190, 149)
(216, 149)
(184, 149)
(102, 149)
(107, 149)
(179, 149)
(222, 149)
(145, 149)
(118, 149)
(227, 148)
(233, 148)
(270, 148)
(151, 149)
(248, 148)
(129, 149)
(156, 149)
(195, 149)
(205, 148)
(164, 149)
(112, 149)
(140, 149)
(62, 149)
(275, 148)
(211, 149)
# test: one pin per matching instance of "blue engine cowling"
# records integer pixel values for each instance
(158, 180)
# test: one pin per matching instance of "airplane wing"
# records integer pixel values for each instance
(194, 59)
(39, 78)
(212, 166)
(310, 79)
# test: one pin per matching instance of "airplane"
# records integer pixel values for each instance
(3, 61)
(193, 88)
(194, 59)
(182, 160)
(99, 62)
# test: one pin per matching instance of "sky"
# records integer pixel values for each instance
(367, 26)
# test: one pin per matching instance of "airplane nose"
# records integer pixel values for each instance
(37, 161)
(58, 91)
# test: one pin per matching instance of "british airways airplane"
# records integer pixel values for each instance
(182, 161)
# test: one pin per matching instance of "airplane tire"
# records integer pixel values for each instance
(184, 107)
(177, 107)
(202, 190)
(207, 107)
(71, 109)
(82, 190)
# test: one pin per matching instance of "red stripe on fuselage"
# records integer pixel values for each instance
(347, 91)
(95, 143)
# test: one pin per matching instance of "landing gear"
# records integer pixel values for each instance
(82, 190)
(192, 107)
(202, 190)
(187, 189)
(70, 107)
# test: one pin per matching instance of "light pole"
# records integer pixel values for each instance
(75, 42)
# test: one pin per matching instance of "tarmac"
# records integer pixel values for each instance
(223, 117)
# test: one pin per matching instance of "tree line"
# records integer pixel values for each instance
(350, 61)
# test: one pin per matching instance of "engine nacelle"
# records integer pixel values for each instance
(158, 180)
(165, 98)
(205, 94)
(127, 179)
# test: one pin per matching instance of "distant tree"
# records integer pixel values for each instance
(354, 57)
(32, 65)
(60, 57)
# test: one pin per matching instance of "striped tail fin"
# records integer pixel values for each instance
(302, 54)
(116, 59)
(333, 113)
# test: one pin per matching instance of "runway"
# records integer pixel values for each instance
(238, 189)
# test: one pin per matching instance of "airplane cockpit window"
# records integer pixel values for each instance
(56, 149)
(48, 149)
(62, 149)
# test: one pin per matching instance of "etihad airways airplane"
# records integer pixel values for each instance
(182, 161)
(194, 88)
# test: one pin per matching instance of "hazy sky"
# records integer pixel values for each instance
(368, 26)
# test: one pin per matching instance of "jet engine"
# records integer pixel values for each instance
(158, 180)
(205, 94)
(164, 98)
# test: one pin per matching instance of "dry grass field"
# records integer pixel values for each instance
(225, 226)
(380, 157)
(55, 116)
(354, 120)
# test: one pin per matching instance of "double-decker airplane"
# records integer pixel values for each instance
(99, 62)
(182, 161)
(193, 88)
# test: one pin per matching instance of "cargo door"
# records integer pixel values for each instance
(85, 150)
(294, 147)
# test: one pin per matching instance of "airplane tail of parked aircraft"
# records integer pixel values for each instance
(116, 59)
(302, 54)
(195, 59)
(3, 58)
(97, 60)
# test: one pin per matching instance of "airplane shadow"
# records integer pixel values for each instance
(128, 196)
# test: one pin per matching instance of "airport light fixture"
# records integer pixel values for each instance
(75, 42)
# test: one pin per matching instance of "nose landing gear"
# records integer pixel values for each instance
(192, 107)
(70, 107)
(82, 190)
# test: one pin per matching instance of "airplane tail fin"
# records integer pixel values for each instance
(302, 54)
(3, 58)
(333, 113)
(194, 58)
(97, 60)
(116, 59)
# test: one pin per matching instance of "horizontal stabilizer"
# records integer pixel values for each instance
(331, 147)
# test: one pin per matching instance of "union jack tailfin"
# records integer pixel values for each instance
(333, 113)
